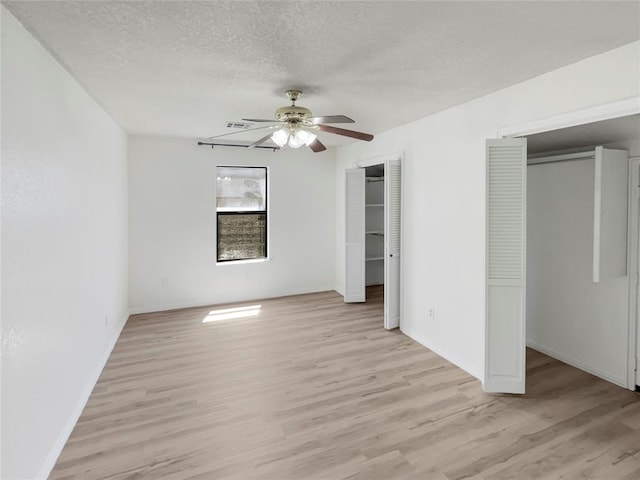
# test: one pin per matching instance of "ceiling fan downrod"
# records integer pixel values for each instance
(293, 96)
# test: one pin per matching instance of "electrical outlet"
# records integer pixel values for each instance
(432, 314)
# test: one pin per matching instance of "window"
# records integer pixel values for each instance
(241, 211)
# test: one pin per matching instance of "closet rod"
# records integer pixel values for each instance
(591, 154)
(376, 179)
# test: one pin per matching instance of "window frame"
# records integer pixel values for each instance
(265, 212)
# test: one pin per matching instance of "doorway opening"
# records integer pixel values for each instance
(373, 204)
(374, 234)
(581, 247)
(579, 294)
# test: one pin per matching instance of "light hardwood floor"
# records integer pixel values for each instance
(313, 388)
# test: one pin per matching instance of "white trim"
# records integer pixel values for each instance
(597, 216)
(60, 442)
(245, 261)
(621, 108)
(471, 369)
(381, 159)
(576, 363)
(632, 269)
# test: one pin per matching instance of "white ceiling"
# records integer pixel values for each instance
(184, 68)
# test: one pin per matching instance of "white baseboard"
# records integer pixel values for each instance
(578, 364)
(176, 306)
(56, 450)
(473, 370)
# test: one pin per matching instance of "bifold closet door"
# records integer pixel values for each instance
(505, 282)
(634, 353)
(354, 288)
(392, 229)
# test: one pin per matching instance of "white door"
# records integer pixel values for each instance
(392, 228)
(505, 342)
(354, 288)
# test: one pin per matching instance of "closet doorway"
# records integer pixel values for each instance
(374, 227)
(373, 234)
(578, 234)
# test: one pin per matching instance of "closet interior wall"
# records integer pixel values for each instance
(374, 225)
(569, 316)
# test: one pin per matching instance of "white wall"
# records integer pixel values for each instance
(172, 237)
(569, 316)
(64, 250)
(444, 223)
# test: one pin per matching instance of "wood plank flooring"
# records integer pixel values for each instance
(311, 388)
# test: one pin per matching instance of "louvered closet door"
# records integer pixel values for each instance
(354, 289)
(505, 343)
(392, 205)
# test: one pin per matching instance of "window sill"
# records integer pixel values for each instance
(243, 262)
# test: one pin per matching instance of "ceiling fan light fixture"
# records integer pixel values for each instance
(305, 136)
(296, 139)
(293, 137)
(280, 137)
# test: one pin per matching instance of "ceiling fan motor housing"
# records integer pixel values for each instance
(292, 114)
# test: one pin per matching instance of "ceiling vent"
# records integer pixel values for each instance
(240, 125)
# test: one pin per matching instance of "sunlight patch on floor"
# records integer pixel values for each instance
(232, 313)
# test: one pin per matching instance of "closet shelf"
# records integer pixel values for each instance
(378, 233)
(374, 259)
(374, 205)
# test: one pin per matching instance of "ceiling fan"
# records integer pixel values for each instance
(295, 127)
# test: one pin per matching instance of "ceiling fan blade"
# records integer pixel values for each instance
(317, 146)
(259, 120)
(331, 119)
(347, 133)
(240, 131)
(262, 140)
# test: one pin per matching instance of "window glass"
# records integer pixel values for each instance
(241, 188)
(241, 236)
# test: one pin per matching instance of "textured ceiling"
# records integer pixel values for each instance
(184, 68)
